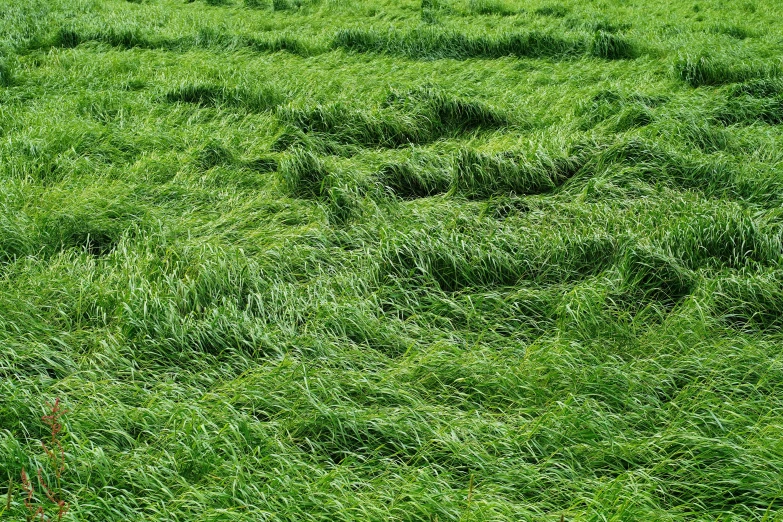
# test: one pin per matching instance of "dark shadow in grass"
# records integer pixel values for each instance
(734, 31)
(98, 243)
(649, 274)
(305, 175)
(291, 5)
(260, 99)
(491, 7)
(507, 207)
(595, 24)
(430, 43)
(419, 176)
(460, 261)
(610, 46)
(479, 175)
(205, 38)
(67, 38)
(6, 72)
(121, 38)
(96, 227)
(262, 165)
(552, 11)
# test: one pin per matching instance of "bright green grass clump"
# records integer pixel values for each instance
(467, 260)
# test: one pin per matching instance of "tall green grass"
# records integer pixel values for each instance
(426, 43)
(440, 260)
(715, 70)
(210, 95)
(412, 117)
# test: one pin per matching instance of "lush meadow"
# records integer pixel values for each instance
(469, 260)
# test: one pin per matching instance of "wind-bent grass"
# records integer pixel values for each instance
(207, 38)
(709, 70)
(612, 47)
(482, 175)
(331, 260)
(419, 176)
(414, 117)
(426, 43)
(210, 95)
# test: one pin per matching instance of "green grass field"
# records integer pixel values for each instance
(444, 260)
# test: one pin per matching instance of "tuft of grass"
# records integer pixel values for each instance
(619, 111)
(67, 38)
(463, 260)
(431, 43)
(633, 117)
(491, 7)
(651, 274)
(704, 70)
(263, 164)
(595, 23)
(479, 175)
(304, 174)
(213, 154)
(429, 16)
(762, 88)
(283, 42)
(409, 117)
(749, 301)
(726, 236)
(451, 112)
(655, 164)
(6, 72)
(735, 31)
(708, 138)
(356, 126)
(755, 101)
(612, 47)
(746, 110)
(288, 5)
(552, 10)
(418, 176)
(259, 99)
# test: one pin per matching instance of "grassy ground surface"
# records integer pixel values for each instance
(393, 260)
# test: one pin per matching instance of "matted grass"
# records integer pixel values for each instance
(418, 260)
